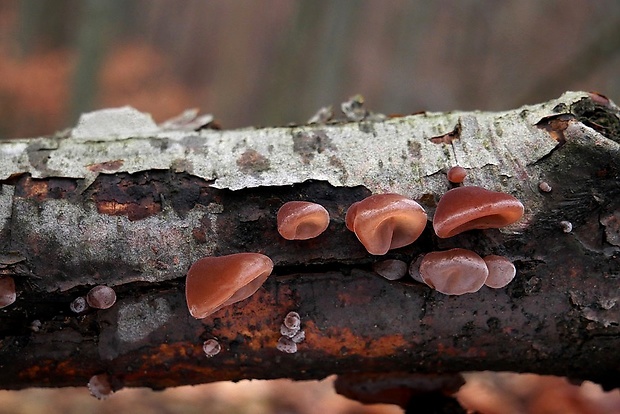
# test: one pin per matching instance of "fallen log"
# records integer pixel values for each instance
(118, 201)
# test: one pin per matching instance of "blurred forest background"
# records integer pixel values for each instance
(272, 62)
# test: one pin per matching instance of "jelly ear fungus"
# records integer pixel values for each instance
(383, 222)
(215, 282)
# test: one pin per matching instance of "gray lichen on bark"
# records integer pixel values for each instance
(394, 155)
(156, 248)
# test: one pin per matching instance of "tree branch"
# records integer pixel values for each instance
(119, 202)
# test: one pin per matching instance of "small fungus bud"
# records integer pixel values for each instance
(390, 269)
(599, 98)
(291, 325)
(288, 332)
(386, 221)
(211, 347)
(35, 326)
(414, 269)
(101, 297)
(292, 320)
(215, 282)
(457, 174)
(454, 272)
(78, 305)
(100, 387)
(566, 226)
(286, 345)
(466, 208)
(299, 337)
(544, 187)
(302, 220)
(501, 271)
(7, 291)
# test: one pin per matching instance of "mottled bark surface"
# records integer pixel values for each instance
(133, 212)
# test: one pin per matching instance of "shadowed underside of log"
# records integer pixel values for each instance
(136, 223)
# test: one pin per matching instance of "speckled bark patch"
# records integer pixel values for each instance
(252, 162)
(41, 189)
(308, 144)
(106, 166)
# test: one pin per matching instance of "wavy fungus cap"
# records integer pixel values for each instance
(386, 221)
(467, 208)
(302, 220)
(454, 272)
(215, 282)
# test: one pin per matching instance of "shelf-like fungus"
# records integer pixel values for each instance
(466, 208)
(101, 297)
(386, 221)
(454, 272)
(501, 271)
(7, 291)
(302, 220)
(215, 282)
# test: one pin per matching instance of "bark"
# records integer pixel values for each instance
(117, 201)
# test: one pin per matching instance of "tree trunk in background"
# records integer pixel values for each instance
(92, 46)
(122, 203)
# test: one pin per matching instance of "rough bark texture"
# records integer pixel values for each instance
(119, 202)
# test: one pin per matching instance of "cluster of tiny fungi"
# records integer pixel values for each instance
(291, 332)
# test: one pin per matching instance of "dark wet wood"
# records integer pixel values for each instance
(559, 316)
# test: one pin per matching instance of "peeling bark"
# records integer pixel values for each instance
(133, 209)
